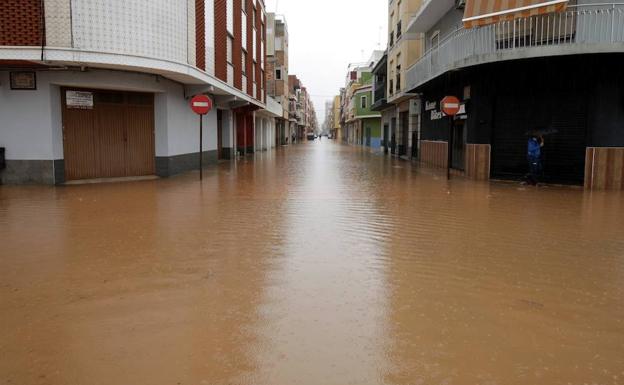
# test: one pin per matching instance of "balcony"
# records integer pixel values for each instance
(380, 91)
(582, 29)
(380, 101)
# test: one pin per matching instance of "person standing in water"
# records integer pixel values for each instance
(534, 157)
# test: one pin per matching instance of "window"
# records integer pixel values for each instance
(363, 102)
(278, 74)
(435, 39)
(254, 17)
(229, 49)
(244, 5)
(244, 66)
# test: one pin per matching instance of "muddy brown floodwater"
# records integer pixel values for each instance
(318, 264)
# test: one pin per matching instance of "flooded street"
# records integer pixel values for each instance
(317, 264)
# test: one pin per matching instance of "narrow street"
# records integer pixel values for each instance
(314, 264)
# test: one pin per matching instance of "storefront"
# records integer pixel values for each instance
(504, 103)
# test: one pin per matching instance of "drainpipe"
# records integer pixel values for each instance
(42, 28)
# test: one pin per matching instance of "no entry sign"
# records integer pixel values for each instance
(201, 104)
(450, 105)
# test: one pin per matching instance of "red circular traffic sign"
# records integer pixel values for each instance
(201, 104)
(450, 105)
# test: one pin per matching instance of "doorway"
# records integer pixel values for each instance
(385, 138)
(220, 134)
(458, 155)
(404, 116)
(107, 134)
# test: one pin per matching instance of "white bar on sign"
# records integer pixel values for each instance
(200, 104)
(451, 105)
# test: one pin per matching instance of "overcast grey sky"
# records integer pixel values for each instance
(327, 35)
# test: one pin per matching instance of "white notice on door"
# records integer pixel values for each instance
(79, 99)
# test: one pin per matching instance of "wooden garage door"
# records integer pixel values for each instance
(113, 138)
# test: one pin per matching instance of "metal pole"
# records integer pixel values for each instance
(201, 146)
(450, 149)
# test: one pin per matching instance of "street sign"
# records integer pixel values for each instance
(201, 104)
(450, 105)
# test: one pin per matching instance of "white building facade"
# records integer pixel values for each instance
(102, 88)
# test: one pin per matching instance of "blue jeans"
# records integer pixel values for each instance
(535, 169)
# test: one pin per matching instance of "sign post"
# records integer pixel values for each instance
(450, 106)
(201, 105)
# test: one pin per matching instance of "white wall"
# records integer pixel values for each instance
(25, 121)
(183, 126)
(31, 121)
(152, 28)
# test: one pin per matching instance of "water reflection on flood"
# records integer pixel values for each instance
(319, 264)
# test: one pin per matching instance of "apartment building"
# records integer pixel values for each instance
(335, 124)
(530, 67)
(361, 125)
(402, 118)
(97, 89)
(277, 72)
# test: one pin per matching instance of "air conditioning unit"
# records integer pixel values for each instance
(460, 4)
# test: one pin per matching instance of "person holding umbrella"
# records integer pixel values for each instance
(534, 157)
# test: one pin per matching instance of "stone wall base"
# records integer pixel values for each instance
(173, 165)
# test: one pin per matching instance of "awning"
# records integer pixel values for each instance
(484, 12)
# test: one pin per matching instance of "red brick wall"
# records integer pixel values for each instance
(21, 22)
(258, 51)
(237, 54)
(220, 15)
(200, 34)
(249, 46)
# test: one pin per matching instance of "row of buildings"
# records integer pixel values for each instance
(298, 114)
(554, 68)
(99, 89)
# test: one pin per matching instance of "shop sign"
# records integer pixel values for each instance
(437, 115)
(23, 80)
(81, 100)
(430, 106)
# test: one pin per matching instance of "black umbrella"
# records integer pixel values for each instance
(542, 131)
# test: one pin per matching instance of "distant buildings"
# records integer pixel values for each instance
(277, 73)
(359, 124)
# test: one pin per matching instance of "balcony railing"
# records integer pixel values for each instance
(380, 91)
(580, 29)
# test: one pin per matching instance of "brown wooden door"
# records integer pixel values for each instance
(110, 139)
(140, 142)
(114, 139)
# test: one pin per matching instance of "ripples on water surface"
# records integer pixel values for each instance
(319, 264)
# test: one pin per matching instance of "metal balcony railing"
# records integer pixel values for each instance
(380, 91)
(583, 28)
